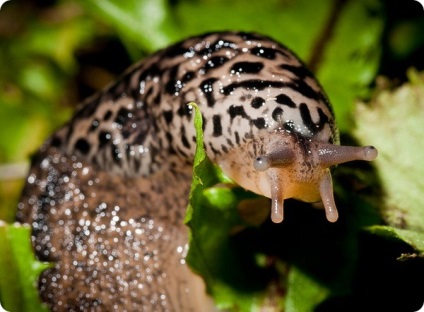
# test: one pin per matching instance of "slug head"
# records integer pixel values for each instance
(286, 165)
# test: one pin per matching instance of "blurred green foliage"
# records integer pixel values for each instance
(54, 53)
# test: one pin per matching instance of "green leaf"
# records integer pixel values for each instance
(19, 270)
(412, 238)
(304, 293)
(59, 41)
(212, 217)
(393, 122)
(146, 23)
(351, 56)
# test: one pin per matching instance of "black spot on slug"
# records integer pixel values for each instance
(174, 51)
(217, 127)
(215, 62)
(157, 98)
(253, 84)
(224, 148)
(257, 102)
(173, 85)
(298, 71)
(56, 141)
(122, 116)
(207, 88)
(116, 154)
(82, 146)
(267, 53)
(237, 137)
(307, 119)
(188, 76)
(107, 115)
(168, 115)
(104, 138)
(306, 90)
(185, 110)
(289, 125)
(246, 67)
(285, 100)
(169, 137)
(235, 111)
(277, 114)
(323, 119)
(230, 143)
(259, 123)
(151, 71)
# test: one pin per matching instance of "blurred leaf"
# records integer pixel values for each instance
(39, 80)
(406, 37)
(57, 41)
(412, 238)
(351, 56)
(147, 23)
(38, 57)
(19, 270)
(304, 293)
(393, 122)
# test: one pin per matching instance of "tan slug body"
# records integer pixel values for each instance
(106, 194)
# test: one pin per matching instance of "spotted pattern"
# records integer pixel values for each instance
(106, 194)
(132, 129)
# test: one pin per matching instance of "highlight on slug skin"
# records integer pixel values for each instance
(301, 170)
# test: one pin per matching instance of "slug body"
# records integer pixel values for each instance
(107, 193)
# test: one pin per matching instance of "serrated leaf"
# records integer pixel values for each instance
(19, 270)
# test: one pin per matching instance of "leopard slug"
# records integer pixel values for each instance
(106, 193)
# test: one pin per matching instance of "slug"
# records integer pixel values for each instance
(106, 194)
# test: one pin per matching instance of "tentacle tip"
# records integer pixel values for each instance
(261, 163)
(332, 216)
(370, 153)
(277, 218)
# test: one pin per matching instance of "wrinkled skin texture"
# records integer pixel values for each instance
(109, 254)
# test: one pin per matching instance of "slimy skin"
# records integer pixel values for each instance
(106, 194)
